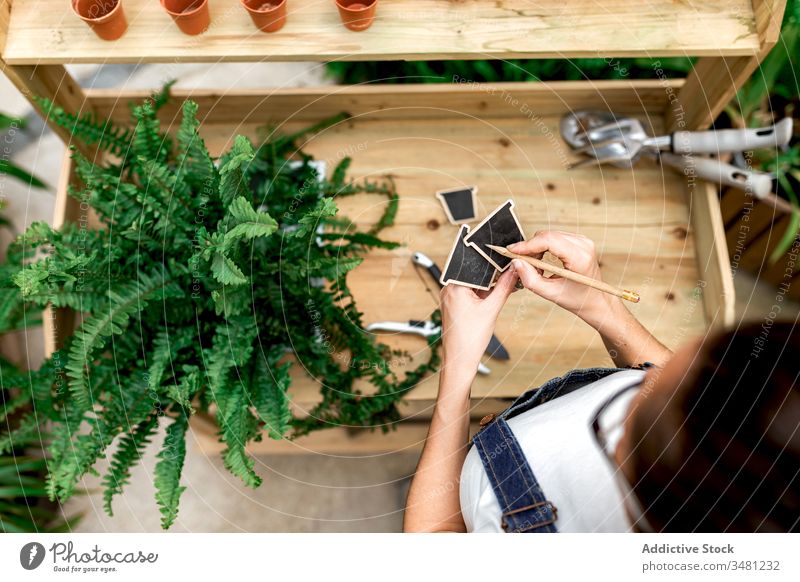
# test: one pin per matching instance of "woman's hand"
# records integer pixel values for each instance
(627, 341)
(578, 254)
(468, 321)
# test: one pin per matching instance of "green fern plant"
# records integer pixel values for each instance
(24, 506)
(206, 276)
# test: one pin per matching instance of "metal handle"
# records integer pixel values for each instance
(396, 326)
(732, 140)
(758, 184)
(425, 261)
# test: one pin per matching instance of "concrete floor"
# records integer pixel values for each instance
(301, 493)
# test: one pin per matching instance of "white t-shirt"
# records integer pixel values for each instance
(573, 472)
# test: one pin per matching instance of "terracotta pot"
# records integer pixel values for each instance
(105, 17)
(191, 16)
(357, 14)
(268, 15)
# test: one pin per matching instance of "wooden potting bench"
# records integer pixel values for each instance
(657, 232)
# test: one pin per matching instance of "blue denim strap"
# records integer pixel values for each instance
(522, 501)
(556, 387)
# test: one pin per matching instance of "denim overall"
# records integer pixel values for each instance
(522, 501)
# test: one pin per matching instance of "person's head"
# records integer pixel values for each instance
(712, 441)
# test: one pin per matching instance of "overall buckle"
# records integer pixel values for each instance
(504, 524)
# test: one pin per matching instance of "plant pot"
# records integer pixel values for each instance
(191, 16)
(357, 14)
(267, 15)
(105, 17)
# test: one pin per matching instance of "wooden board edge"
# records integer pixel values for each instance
(713, 261)
(392, 101)
(406, 437)
(440, 195)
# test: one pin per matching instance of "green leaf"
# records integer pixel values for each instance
(186, 388)
(87, 128)
(148, 143)
(165, 350)
(225, 271)
(269, 393)
(237, 427)
(113, 319)
(160, 98)
(169, 469)
(789, 235)
(247, 222)
(309, 223)
(130, 451)
(30, 279)
(233, 180)
(7, 167)
(26, 432)
(7, 121)
(195, 165)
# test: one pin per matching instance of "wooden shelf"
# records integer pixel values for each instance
(653, 235)
(405, 437)
(47, 32)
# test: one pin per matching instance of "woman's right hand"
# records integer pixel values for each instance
(578, 254)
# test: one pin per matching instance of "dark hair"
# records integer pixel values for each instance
(721, 451)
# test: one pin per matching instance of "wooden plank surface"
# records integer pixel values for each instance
(46, 31)
(405, 437)
(640, 220)
(715, 79)
(715, 280)
(398, 102)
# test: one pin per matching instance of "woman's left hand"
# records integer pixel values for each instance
(468, 321)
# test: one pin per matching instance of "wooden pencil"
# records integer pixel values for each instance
(631, 296)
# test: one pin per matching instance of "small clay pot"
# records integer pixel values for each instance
(105, 17)
(268, 15)
(357, 14)
(191, 16)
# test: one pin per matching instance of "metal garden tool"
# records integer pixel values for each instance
(621, 142)
(421, 328)
(695, 142)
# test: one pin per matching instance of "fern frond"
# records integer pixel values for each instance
(110, 320)
(233, 179)
(195, 165)
(247, 223)
(309, 223)
(168, 471)
(226, 271)
(231, 346)
(131, 448)
(237, 427)
(163, 96)
(87, 128)
(165, 349)
(26, 432)
(147, 142)
(184, 390)
(79, 450)
(269, 393)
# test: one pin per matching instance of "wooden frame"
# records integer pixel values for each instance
(44, 32)
(688, 230)
(459, 241)
(442, 196)
(714, 80)
(661, 197)
(487, 219)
